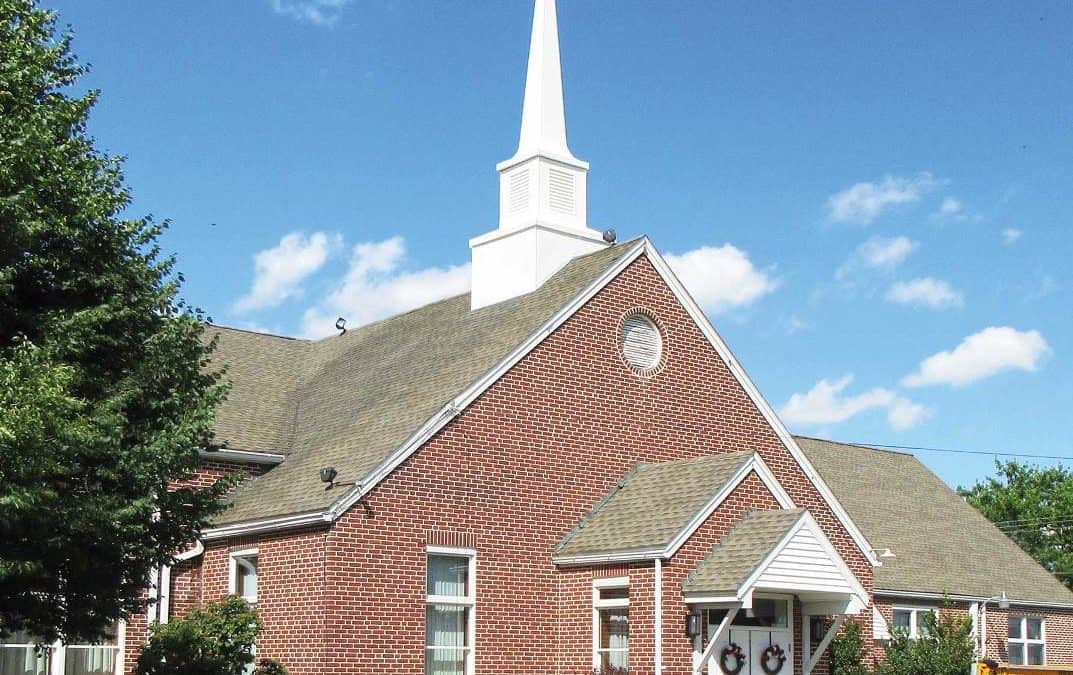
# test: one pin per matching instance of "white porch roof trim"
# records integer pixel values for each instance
(805, 563)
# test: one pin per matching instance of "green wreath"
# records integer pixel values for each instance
(732, 650)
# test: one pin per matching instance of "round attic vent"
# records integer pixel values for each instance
(642, 343)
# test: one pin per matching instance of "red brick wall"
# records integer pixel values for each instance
(1058, 626)
(513, 473)
(519, 468)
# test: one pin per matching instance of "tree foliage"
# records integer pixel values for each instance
(217, 640)
(1034, 506)
(105, 399)
(847, 651)
(944, 648)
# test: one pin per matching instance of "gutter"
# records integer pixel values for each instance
(910, 595)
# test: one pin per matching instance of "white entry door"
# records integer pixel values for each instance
(754, 642)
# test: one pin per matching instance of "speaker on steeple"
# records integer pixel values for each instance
(542, 188)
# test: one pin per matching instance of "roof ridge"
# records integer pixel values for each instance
(860, 446)
(250, 331)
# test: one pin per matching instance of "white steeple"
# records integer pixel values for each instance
(542, 188)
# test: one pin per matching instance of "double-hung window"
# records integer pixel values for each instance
(610, 624)
(1027, 643)
(244, 575)
(910, 620)
(19, 655)
(449, 611)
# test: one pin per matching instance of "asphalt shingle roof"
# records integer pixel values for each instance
(349, 401)
(740, 552)
(651, 504)
(941, 543)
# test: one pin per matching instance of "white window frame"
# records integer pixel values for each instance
(56, 653)
(914, 620)
(232, 571)
(598, 603)
(1024, 641)
(469, 600)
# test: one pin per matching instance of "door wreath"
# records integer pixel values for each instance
(732, 651)
(772, 653)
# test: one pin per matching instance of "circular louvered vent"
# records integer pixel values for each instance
(642, 344)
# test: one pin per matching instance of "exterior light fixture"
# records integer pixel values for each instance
(328, 474)
(1003, 601)
(694, 621)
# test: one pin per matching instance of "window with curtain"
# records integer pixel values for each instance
(449, 614)
(1026, 645)
(611, 643)
(19, 656)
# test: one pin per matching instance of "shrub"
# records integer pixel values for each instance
(944, 648)
(217, 640)
(847, 651)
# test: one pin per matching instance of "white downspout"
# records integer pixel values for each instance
(658, 597)
(165, 580)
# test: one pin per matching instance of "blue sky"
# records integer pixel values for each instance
(872, 200)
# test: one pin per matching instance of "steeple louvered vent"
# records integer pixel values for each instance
(642, 344)
(519, 190)
(561, 192)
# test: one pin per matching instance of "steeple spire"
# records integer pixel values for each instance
(543, 114)
(543, 188)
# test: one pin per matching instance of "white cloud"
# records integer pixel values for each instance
(904, 414)
(926, 292)
(878, 253)
(1010, 235)
(864, 202)
(826, 403)
(376, 286)
(980, 356)
(280, 271)
(317, 12)
(951, 206)
(721, 278)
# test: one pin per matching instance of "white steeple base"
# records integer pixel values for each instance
(508, 263)
(543, 188)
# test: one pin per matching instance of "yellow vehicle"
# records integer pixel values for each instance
(992, 668)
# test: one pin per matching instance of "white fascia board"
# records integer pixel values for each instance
(807, 521)
(607, 558)
(716, 600)
(706, 327)
(754, 464)
(265, 525)
(245, 456)
(456, 406)
(932, 597)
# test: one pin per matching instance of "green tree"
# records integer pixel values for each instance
(847, 651)
(105, 394)
(944, 648)
(217, 640)
(1034, 506)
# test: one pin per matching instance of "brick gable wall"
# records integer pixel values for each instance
(512, 474)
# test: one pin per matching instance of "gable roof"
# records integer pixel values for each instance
(650, 505)
(942, 545)
(473, 338)
(350, 401)
(741, 551)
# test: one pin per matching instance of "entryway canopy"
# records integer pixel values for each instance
(777, 551)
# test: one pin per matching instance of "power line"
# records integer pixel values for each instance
(990, 453)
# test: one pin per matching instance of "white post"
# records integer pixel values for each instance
(658, 593)
(724, 625)
(806, 638)
(820, 648)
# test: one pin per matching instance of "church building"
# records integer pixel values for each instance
(565, 471)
